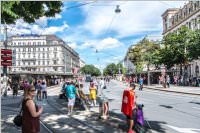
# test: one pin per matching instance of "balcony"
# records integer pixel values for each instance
(29, 59)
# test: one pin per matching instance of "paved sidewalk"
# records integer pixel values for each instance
(175, 89)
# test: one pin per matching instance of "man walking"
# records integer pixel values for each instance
(71, 93)
(168, 81)
(102, 85)
(141, 83)
(38, 88)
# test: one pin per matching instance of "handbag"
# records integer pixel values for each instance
(18, 119)
(104, 87)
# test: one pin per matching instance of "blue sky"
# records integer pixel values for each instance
(96, 26)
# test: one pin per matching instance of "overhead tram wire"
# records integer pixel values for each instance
(83, 4)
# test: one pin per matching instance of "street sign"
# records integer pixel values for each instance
(5, 57)
(6, 51)
(8, 63)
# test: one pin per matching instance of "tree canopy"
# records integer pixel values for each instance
(29, 11)
(91, 70)
(144, 52)
(112, 69)
(179, 48)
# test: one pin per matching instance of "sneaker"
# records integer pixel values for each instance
(131, 131)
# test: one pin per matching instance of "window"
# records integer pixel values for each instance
(38, 62)
(43, 49)
(43, 62)
(39, 55)
(39, 43)
(55, 49)
(19, 49)
(29, 49)
(55, 68)
(34, 63)
(29, 55)
(47, 62)
(47, 49)
(47, 55)
(29, 63)
(43, 42)
(24, 43)
(34, 49)
(33, 55)
(54, 62)
(34, 43)
(29, 43)
(19, 43)
(43, 55)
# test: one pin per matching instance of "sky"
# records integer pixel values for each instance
(99, 34)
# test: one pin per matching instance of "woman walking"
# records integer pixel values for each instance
(31, 112)
(93, 93)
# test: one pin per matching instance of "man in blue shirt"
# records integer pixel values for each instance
(141, 83)
(71, 93)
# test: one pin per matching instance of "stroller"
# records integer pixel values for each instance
(139, 125)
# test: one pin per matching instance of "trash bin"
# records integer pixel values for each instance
(103, 108)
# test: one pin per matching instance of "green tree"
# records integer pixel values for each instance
(110, 69)
(91, 70)
(194, 47)
(176, 48)
(29, 11)
(144, 52)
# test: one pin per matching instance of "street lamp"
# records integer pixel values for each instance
(117, 10)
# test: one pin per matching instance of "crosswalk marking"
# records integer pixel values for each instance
(185, 130)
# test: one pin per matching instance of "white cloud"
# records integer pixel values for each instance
(24, 28)
(135, 17)
(72, 45)
(114, 59)
(106, 43)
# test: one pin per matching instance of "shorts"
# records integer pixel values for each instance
(133, 115)
(71, 101)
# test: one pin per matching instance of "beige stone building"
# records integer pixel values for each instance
(188, 15)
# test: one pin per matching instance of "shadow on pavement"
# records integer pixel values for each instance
(156, 125)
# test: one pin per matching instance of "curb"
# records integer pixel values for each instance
(150, 88)
(187, 93)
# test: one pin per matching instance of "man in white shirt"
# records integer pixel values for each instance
(102, 85)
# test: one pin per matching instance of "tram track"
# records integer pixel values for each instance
(86, 127)
(44, 125)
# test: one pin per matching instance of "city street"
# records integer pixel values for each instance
(164, 112)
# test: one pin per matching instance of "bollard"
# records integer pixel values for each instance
(103, 109)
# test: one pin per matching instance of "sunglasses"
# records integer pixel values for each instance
(32, 90)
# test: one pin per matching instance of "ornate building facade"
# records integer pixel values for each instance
(189, 16)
